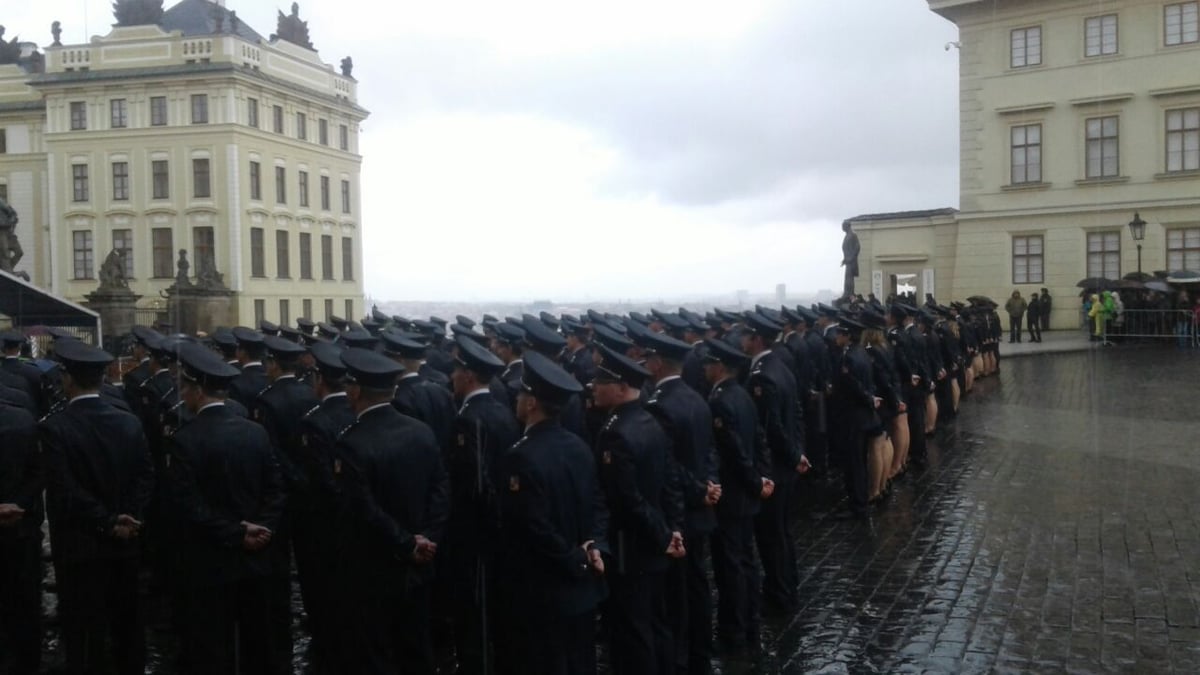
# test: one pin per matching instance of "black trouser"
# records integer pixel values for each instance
(1035, 328)
(229, 629)
(315, 569)
(279, 595)
(738, 579)
(689, 607)
(553, 645)
(98, 599)
(816, 441)
(636, 614)
(915, 400)
(20, 604)
(1014, 328)
(944, 395)
(854, 465)
(470, 601)
(776, 545)
(385, 633)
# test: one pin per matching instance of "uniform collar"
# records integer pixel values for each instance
(660, 383)
(82, 397)
(410, 375)
(758, 357)
(216, 404)
(467, 399)
(334, 395)
(373, 408)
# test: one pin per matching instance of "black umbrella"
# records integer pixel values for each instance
(1183, 277)
(1130, 284)
(1098, 283)
(1157, 285)
(1138, 276)
(980, 300)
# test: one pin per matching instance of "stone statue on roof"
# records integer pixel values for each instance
(10, 52)
(56, 31)
(347, 66)
(291, 28)
(137, 12)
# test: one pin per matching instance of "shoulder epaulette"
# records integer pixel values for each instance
(310, 412)
(264, 390)
(611, 421)
(345, 431)
(54, 410)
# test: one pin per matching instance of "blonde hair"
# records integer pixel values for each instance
(873, 337)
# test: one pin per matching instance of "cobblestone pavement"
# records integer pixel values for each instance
(1055, 530)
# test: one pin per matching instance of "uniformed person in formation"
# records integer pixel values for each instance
(507, 343)
(396, 502)
(745, 464)
(253, 376)
(484, 430)
(645, 517)
(688, 421)
(417, 396)
(227, 491)
(555, 528)
(19, 375)
(773, 388)
(99, 480)
(315, 506)
(22, 480)
(854, 404)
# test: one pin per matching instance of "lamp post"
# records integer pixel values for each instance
(1137, 230)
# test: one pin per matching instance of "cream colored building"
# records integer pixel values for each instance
(195, 134)
(1074, 116)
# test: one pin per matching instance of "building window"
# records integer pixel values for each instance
(1027, 260)
(325, 193)
(78, 115)
(120, 181)
(1104, 255)
(123, 244)
(345, 196)
(79, 182)
(283, 254)
(327, 257)
(1100, 37)
(201, 181)
(323, 132)
(199, 108)
(255, 181)
(347, 259)
(4, 191)
(161, 241)
(1183, 249)
(303, 188)
(302, 126)
(3, 141)
(277, 118)
(203, 250)
(305, 256)
(328, 309)
(1183, 140)
(257, 256)
(82, 241)
(285, 313)
(1027, 154)
(1181, 23)
(1102, 148)
(161, 178)
(252, 112)
(1026, 47)
(350, 309)
(343, 137)
(158, 111)
(260, 312)
(307, 306)
(118, 113)
(280, 185)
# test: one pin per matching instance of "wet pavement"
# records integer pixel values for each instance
(1055, 530)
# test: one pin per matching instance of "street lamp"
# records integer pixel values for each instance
(1137, 230)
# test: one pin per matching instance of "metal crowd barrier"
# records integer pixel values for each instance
(1144, 325)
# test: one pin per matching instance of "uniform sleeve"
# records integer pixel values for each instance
(362, 504)
(437, 501)
(691, 488)
(534, 528)
(63, 490)
(625, 497)
(143, 486)
(26, 462)
(772, 420)
(192, 506)
(735, 456)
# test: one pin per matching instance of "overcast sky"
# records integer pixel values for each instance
(622, 149)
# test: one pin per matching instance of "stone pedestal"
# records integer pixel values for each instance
(195, 309)
(117, 310)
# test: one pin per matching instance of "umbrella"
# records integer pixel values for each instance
(1130, 285)
(1095, 283)
(1157, 285)
(980, 300)
(1138, 276)
(1183, 277)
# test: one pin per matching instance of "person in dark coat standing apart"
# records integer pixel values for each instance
(686, 417)
(484, 430)
(229, 496)
(99, 480)
(633, 456)
(22, 480)
(1034, 318)
(555, 529)
(1047, 304)
(773, 388)
(396, 502)
(744, 466)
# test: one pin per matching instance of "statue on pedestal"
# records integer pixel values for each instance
(292, 28)
(56, 31)
(10, 52)
(208, 278)
(850, 250)
(112, 274)
(10, 249)
(347, 67)
(181, 270)
(137, 12)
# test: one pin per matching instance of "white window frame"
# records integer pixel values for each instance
(1025, 47)
(1101, 37)
(1104, 254)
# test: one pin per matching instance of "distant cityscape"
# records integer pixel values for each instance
(738, 300)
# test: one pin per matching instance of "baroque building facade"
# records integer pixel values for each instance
(1075, 115)
(191, 134)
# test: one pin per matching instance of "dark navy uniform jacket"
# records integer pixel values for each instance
(507, 384)
(97, 467)
(22, 477)
(319, 431)
(854, 394)
(551, 505)
(394, 487)
(27, 373)
(688, 422)
(484, 430)
(280, 407)
(428, 402)
(773, 389)
(245, 387)
(742, 448)
(645, 507)
(580, 365)
(693, 368)
(818, 351)
(221, 472)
